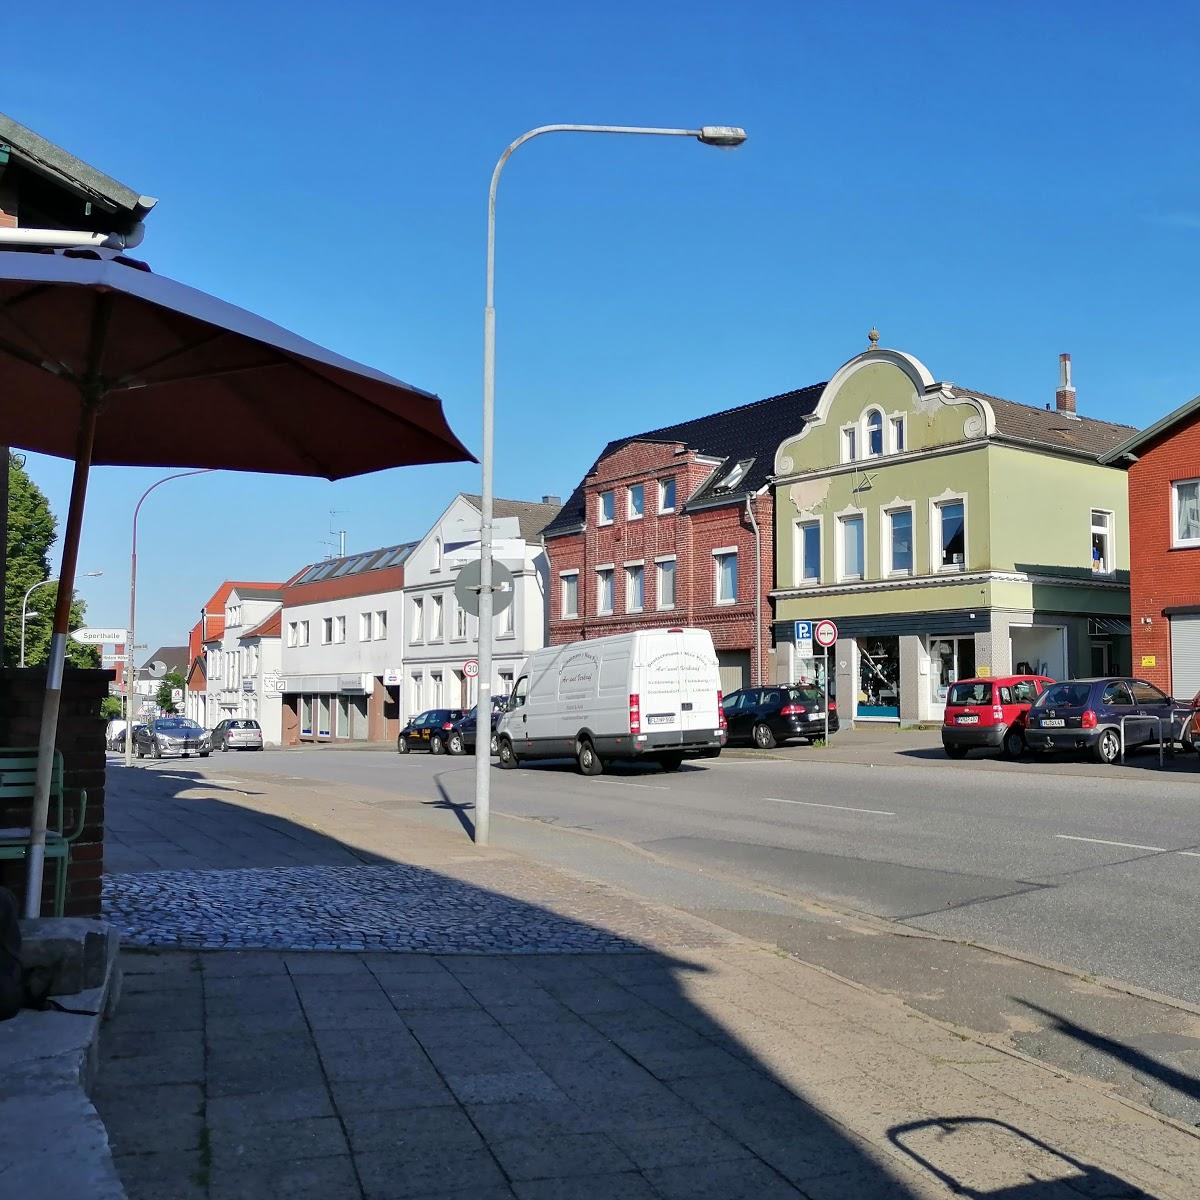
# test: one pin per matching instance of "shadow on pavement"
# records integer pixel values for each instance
(447, 803)
(546, 1046)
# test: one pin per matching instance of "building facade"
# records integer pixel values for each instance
(676, 527)
(236, 661)
(1163, 464)
(342, 648)
(441, 639)
(948, 533)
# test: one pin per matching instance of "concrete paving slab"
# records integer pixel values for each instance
(403, 1174)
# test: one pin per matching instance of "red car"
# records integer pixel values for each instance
(990, 713)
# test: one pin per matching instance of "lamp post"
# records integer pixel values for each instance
(130, 638)
(25, 616)
(711, 135)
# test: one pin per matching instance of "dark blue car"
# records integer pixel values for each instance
(1085, 714)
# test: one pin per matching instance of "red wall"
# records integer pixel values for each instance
(1160, 577)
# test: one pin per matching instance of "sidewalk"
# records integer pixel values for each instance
(671, 1059)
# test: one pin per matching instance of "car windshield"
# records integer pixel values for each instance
(176, 725)
(970, 693)
(1067, 695)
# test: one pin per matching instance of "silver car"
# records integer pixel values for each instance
(237, 733)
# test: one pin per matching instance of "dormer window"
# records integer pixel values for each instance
(873, 430)
(735, 476)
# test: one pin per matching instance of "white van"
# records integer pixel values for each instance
(654, 694)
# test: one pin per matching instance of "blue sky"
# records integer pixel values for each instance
(989, 183)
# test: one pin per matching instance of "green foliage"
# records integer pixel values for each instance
(111, 708)
(172, 679)
(32, 530)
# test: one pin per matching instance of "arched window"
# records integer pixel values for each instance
(874, 431)
(437, 554)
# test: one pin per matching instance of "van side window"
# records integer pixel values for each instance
(519, 693)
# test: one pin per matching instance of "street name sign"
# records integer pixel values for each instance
(98, 637)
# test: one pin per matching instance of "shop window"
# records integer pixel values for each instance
(323, 706)
(950, 659)
(1102, 562)
(306, 716)
(342, 727)
(879, 677)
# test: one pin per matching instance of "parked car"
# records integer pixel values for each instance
(429, 731)
(118, 738)
(990, 713)
(1189, 734)
(765, 716)
(112, 731)
(1085, 714)
(167, 737)
(651, 695)
(461, 739)
(237, 733)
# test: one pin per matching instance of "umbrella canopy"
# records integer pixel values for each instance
(165, 360)
(102, 361)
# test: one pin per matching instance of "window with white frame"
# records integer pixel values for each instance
(808, 551)
(854, 548)
(1185, 513)
(437, 554)
(435, 687)
(414, 694)
(607, 508)
(326, 630)
(460, 618)
(873, 434)
(1102, 547)
(233, 615)
(416, 627)
(664, 583)
(292, 633)
(252, 659)
(604, 590)
(504, 620)
(951, 521)
(381, 625)
(849, 444)
(303, 633)
(637, 502)
(339, 629)
(569, 584)
(435, 618)
(635, 587)
(666, 495)
(898, 432)
(725, 579)
(899, 527)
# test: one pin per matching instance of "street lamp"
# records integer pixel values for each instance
(726, 136)
(130, 639)
(25, 617)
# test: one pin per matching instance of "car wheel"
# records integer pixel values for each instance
(402, 745)
(764, 739)
(955, 751)
(506, 754)
(671, 762)
(1014, 744)
(455, 744)
(1107, 749)
(588, 760)
(155, 752)
(224, 746)
(437, 746)
(138, 752)
(203, 753)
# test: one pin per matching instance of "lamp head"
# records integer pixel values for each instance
(725, 136)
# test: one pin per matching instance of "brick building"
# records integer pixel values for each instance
(1163, 462)
(676, 527)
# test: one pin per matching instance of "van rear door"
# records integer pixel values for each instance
(679, 681)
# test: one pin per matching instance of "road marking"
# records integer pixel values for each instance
(1124, 845)
(879, 812)
(653, 787)
(1189, 853)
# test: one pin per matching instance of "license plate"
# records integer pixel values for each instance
(816, 716)
(1053, 723)
(660, 718)
(968, 719)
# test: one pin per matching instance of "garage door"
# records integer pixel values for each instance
(734, 666)
(1185, 657)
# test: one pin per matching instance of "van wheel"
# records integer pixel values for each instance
(764, 739)
(492, 745)
(588, 760)
(671, 762)
(506, 755)
(1014, 744)
(1108, 747)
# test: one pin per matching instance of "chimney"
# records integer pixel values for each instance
(552, 500)
(1064, 398)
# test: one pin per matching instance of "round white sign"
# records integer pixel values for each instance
(825, 633)
(471, 668)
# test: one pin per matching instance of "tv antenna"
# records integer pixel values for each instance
(337, 537)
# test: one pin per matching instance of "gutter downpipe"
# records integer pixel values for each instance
(758, 680)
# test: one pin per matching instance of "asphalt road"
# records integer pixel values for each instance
(1098, 870)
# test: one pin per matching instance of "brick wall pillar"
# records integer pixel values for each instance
(81, 740)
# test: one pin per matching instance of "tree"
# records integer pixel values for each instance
(112, 708)
(171, 680)
(32, 530)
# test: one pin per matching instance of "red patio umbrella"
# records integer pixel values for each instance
(103, 361)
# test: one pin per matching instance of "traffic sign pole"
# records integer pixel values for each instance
(825, 655)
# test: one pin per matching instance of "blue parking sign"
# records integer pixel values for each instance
(804, 639)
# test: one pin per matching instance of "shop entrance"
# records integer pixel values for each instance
(878, 678)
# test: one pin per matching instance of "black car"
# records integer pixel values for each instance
(462, 736)
(1085, 714)
(167, 737)
(765, 716)
(429, 731)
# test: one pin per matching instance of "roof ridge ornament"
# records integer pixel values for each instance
(873, 338)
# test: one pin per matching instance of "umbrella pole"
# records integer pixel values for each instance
(58, 653)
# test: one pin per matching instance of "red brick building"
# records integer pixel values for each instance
(676, 526)
(1164, 549)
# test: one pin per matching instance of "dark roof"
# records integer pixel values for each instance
(354, 564)
(1052, 429)
(258, 593)
(176, 658)
(532, 516)
(52, 162)
(749, 433)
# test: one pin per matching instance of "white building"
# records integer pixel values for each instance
(243, 663)
(342, 648)
(440, 638)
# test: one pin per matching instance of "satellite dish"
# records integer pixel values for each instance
(157, 669)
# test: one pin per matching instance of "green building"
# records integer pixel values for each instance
(949, 533)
